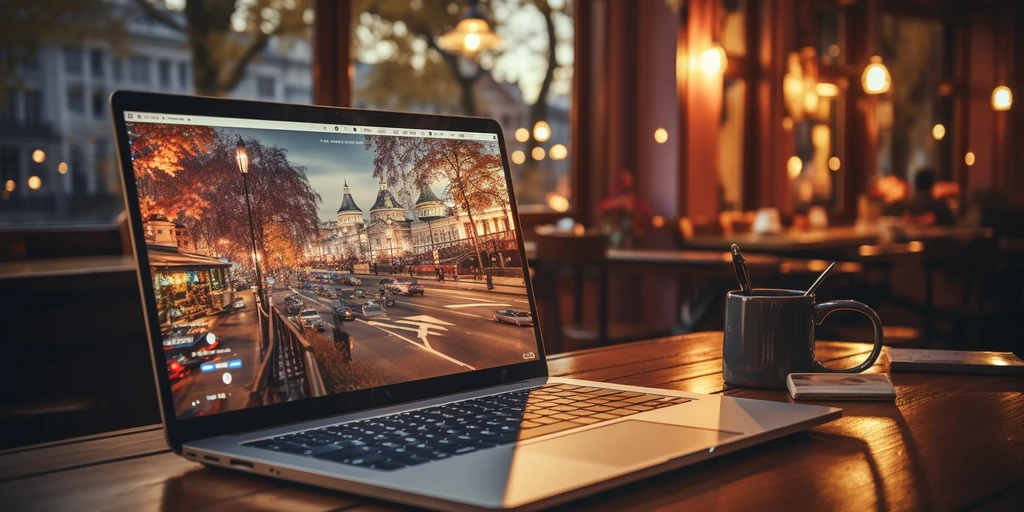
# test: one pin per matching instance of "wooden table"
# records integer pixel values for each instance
(949, 442)
(835, 242)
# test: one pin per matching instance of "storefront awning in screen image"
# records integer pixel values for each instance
(170, 258)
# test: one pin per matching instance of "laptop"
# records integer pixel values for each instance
(292, 264)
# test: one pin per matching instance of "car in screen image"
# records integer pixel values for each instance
(409, 288)
(514, 317)
(345, 311)
(310, 319)
(293, 308)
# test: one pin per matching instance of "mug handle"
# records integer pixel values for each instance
(827, 308)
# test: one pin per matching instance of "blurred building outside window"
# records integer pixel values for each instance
(138, 69)
(164, 72)
(99, 105)
(525, 84)
(73, 60)
(54, 87)
(96, 63)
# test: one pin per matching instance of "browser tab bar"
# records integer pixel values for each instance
(228, 122)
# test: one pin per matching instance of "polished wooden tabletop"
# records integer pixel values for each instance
(949, 442)
(833, 238)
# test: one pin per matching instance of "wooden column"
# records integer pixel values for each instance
(978, 83)
(622, 91)
(862, 130)
(766, 183)
(1015, 188)
(656, 107)
(332, 31)
(700, 106)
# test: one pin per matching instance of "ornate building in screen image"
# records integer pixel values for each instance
(431, 230)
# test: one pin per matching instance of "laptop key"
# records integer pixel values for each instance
(346, 453)
(545, 429)
(369, 458)
(387, 465)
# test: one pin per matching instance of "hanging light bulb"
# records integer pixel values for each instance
(471, 36)
(875, 79)
(541, 131)
(714, 61)
(1002, 98)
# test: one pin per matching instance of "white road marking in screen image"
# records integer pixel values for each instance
(424, 306)
(381, 325)
(476, 305)
(459, 294)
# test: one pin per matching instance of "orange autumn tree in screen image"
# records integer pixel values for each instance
(471, 169)
(190, 175)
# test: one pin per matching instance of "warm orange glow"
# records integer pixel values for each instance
(470, 36)
(34, 182)
(817, 265)
(518, 157)
(472, 42)
(558, 152)
(876, 78)
(1002, 98)
(793, 167)
(62, 168)
(713, 61)
(969, 158)
(522, 135)
(834, 163)
(820, 136)
(38, 156)
(833, 50)
(810, 102)
(10, 185)
(661, 135)
(787, 123)
(538, 154)
(542, 131)
(868, 250)
(558, 203)
(826, 90)
(915, 246)
(658, 221)
(579, 230)
(938, 131)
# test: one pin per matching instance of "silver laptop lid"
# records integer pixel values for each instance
(298, 254)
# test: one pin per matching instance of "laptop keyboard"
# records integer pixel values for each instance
(410, 438)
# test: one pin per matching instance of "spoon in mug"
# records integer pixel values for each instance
(821, 279)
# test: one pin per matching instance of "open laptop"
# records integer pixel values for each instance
(290, 263)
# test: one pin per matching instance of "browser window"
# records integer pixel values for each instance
(292, 260)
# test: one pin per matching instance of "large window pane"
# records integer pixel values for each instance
(526, 84)
(912, 49)
(57, 157)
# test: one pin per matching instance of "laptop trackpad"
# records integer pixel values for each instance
(631, 443)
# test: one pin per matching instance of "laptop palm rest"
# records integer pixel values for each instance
(630, 443)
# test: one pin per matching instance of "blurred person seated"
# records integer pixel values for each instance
(922, 207)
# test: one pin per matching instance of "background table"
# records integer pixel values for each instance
(949, 442)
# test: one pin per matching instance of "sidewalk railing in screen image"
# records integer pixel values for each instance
(291, 372)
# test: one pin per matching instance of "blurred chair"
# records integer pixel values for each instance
(582, 258)
(689, 228)
(973, 262)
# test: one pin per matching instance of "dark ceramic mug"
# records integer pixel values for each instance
(770, 334)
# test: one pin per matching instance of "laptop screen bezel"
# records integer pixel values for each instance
(179, 431)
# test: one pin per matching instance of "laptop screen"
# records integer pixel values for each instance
(294, 260)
